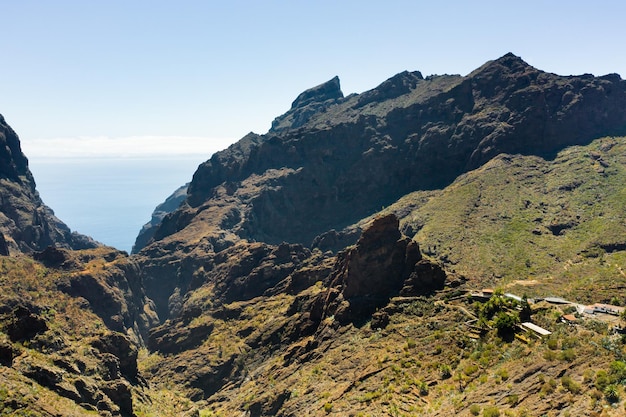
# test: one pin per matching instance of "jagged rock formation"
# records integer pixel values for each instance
(170, 204)
(357, 154)
(247, 277)
(376, 269)
(26, 224)
(360, 153)
(110, 282)
(309, 103)
(57, 356)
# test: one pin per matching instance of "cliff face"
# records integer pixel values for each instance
(355, 154)
(253, 211)
(26, 224)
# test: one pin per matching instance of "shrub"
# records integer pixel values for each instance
(503, 374)
(618, 371)
(445, 371)
(470, 369)
(549, 355)
(506, 322)
(553, 343)
(328, 407)
(548, 386)
(410, 343)
(474, 409)
(491, 411)
(422, 386)
(602, 380)
(611, 393)
(568, 355)
(570, 385)
(595, 394)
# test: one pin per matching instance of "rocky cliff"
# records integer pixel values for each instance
(267, 265)
(309, 178)
(350, 156)
(26, 224)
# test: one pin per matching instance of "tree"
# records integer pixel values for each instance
(526, 311)
(505, 323)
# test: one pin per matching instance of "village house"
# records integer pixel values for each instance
(568, 319)
(603, 308)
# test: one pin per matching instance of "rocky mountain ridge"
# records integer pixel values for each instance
(356, 154)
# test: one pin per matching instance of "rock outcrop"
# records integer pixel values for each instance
(26, 224)
(381, 264)
(309, 103)
(111, 283)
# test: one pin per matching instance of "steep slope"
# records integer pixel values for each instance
(259, 317)
(244, 310)
(64, 335)
(26, 224)
(72, 312)
(555, 223)
(299, 183)
(359, 153)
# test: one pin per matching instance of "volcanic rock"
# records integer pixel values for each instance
(382, 263)
(362, 152)
(26, 224)
(307, 104)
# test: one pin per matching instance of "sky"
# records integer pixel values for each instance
(162, 79)
(110, 72)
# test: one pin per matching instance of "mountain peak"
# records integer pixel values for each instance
(330, 90)
(309, 103)
(508, 63)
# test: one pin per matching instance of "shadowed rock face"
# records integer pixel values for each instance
(307, 104)
(410, 133)
(353, 155)
(26, 224)
(382, 264)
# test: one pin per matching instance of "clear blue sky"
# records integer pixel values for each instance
(219, 69)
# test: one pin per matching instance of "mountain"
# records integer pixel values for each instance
(525, 217)
(334, 265)
(309, 178)
(72, 312)
(355, 154)
(26, 223)
(252, 276)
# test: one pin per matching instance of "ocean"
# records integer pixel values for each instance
(109, 199)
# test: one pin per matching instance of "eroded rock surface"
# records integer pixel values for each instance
(26, 223)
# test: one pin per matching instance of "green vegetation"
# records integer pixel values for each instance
(524, 219)
(439, 354)
(491, 411)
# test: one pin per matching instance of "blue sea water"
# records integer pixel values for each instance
(109, 199)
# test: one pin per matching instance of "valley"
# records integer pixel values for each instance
(332, 266)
